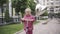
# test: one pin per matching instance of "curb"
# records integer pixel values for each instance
(18, 32)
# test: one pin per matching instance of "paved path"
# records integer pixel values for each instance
(52, 27)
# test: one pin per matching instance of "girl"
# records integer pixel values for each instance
(28, 20)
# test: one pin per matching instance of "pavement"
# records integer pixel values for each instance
(51, 26)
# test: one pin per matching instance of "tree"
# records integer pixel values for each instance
(21, 5)
(32, 5)
(45, 13)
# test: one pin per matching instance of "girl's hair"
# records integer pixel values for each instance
(27, 9)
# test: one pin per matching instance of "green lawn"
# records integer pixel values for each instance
(12, 28)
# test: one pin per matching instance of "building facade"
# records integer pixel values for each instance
(53, 6)
(40, 8)
(15, 18)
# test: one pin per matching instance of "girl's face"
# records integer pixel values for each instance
(27, 12)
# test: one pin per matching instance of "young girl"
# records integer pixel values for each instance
(28, 20)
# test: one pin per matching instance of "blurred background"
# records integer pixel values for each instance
(11, 12)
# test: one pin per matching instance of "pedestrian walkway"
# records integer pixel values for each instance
(52, 27)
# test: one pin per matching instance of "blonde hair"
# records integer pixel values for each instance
(28, 9)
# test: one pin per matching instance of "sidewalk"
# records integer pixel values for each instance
(36, 28)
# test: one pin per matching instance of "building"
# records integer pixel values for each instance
(53, 6)
(40, 8)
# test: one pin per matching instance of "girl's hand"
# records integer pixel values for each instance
(30, 20)
(26, 19)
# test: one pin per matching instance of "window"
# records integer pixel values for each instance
(47, 3)
(47, 0)
(52, 3)
(43, 4)
(52, 9)
(56, 10)
(57, 7)
(57, 3)
(44, 1)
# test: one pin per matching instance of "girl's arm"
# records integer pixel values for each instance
(23, 19)
(33, 19)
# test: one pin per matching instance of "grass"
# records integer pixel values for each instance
(12, 28)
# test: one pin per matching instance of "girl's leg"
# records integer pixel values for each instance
(27, 32)
(30, 32)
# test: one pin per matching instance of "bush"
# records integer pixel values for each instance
(45, 14)
(58, 15)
